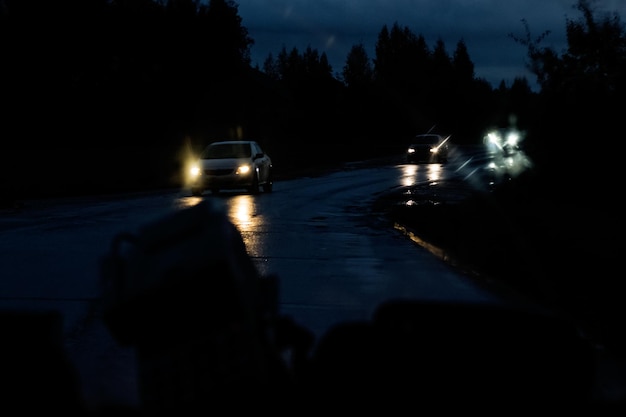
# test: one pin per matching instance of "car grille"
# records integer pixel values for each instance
(216, 172)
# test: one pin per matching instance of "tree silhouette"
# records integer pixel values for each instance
(358, 71)
(462, 65)
(402, 58)
(227, 35)
(594, 60)
(578, 89)
(316, 65)
(270, 67)
(441, 65)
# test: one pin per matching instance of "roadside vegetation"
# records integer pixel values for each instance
(561, 255)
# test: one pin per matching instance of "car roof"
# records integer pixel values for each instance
(429, 135)
(428, 138)
(232, 142)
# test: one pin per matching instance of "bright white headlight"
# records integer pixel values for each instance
(512, 138)
(243, 169)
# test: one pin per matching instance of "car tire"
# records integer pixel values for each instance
(196, 192)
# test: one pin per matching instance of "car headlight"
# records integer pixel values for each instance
(512, 139)
(243, 169)
(494, 138)
(194, 171)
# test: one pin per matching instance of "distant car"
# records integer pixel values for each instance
(232, 164)
(429, 148)
(503, 141)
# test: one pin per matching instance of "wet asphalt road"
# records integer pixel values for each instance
(334, 261)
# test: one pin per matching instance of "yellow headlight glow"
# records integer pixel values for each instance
(243, 169)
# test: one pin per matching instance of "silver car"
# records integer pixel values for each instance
(232, 164)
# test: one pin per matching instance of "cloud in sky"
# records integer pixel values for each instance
(334, 26)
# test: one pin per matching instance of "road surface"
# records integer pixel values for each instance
(335, 262)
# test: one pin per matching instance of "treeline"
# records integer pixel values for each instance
(406, 89)
(125, 82)
(81, 72)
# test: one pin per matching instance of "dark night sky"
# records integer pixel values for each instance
(334, 26)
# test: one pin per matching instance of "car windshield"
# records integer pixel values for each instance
(227, 150)
(427, 140)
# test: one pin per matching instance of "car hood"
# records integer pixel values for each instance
(224, 163)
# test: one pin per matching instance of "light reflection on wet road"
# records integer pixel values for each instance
(334, 262)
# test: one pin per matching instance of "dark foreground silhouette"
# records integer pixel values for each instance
(208, 335)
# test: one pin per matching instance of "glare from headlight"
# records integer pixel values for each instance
(194, 171)
(243, 169)
(512, 139)
(493, 137)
